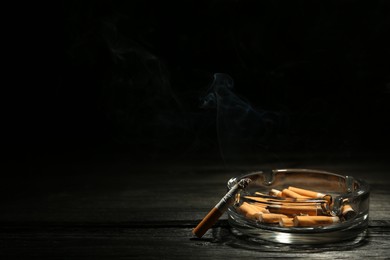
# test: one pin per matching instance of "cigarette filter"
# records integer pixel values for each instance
(259, 204)
(307, 193)
(286, 222)
(212, 217)
(277, 193)
(270, 217)
(312, 221)
(260, 207)
(261, 200)
(292, 194)
(260, 194)
(311, 210)
(347, 212)
(311, 194)
(251, 212)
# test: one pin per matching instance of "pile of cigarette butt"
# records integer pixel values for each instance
(293, 207)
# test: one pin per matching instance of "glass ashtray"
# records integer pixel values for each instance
(341, 189)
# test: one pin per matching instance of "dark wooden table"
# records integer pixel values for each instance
(117, 208)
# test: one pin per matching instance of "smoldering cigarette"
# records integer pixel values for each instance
(313, 221)
(311, 210)
(212, 217)
(311, 194)
(270, 217)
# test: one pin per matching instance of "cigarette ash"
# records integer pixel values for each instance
(245, 134)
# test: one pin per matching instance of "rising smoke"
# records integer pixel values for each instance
(245, 134)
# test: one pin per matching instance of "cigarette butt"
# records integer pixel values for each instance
(311, 210)
(301, 203)
(246, 207)
(286, 222)
(308, 193)
(237, 199)
(277, 193)
(292, 194)
(313, 221)
(260, 204)
(258, 199)
(263, 200)
(347, 212)
(250, 211)
(270, 217)
(329, 199)
(284, 200)
(260, 194)
(311, 194)
(260, 207)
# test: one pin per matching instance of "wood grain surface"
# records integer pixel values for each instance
(120, 209)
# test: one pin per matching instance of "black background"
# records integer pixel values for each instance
(128, 77)
(101, 109)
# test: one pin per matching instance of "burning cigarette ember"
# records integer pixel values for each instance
(293, 207)
(221, 207)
